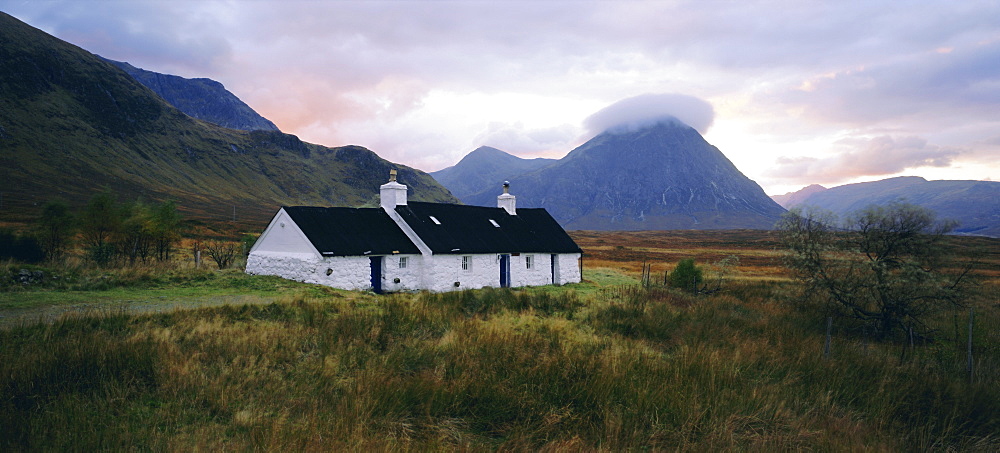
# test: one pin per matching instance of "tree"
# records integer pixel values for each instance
(686, 275)
(100, 222)
(135, 236)
(166, 229)
(55, 229)
(886, 267)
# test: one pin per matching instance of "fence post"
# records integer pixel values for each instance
(829, 328)
(197, 259)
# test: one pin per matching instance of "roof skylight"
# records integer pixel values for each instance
(494, 222)
(435, 220)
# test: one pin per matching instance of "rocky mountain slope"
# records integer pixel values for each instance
(665, 176)
(204, 99)
(975, 205)
(72, 124)
(485, 167)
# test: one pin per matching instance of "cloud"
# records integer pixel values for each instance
(517, 139)
(879, 156)
(925, 87)
(780, 76)
(648, 109)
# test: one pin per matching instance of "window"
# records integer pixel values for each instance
(494, 222)
(529, 261)
(402, 262)
(466, 263)
(435, 220)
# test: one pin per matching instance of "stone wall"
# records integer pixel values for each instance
(539, 274)
(435, 273)
(446, 270)
(568, 268)
(344, 272)
(410, 277)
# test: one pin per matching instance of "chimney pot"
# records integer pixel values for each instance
(506, 200)
(392, 193)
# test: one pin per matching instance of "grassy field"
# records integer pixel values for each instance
(602, 365)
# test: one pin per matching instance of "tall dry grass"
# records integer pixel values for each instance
(618, 368)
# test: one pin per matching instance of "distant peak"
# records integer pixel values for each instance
(487, 150)
(906, 178)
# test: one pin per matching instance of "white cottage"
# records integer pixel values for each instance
(413, 246)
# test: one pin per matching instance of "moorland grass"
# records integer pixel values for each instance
(76, 283)
(582, 367)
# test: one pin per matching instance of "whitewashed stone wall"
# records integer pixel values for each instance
(410, 277)
(346, 272)
(539, 274)
(568, 268)
(351, 272)
(435, 273)
(445, 270)
(293, 266)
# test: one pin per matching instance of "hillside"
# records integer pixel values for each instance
(204, 99)
(794, 198)
(975, 205)
(664, 176)
(485, 167)
(72, 124)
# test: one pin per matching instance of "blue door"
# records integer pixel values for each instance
(505, 271)
(376, 274)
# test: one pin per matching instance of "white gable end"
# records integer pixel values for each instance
(284, 236)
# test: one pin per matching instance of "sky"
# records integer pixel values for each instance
(792, 92)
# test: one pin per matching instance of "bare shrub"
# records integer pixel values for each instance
(224, 253)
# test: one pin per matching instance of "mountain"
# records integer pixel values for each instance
(72, 124)
(204, 99)
(665, 176)
(975, 205)
(484, 167)
(793, 198)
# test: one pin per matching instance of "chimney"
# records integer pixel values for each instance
(506, 200)
(392, 193)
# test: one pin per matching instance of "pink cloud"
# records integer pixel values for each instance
(884, 155)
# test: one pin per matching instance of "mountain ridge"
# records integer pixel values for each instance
(201, 98)
(482, 167)
(975, 205)
(793, 198)
(72, 125)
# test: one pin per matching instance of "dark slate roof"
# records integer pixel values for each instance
(467, 229)
(351, 231)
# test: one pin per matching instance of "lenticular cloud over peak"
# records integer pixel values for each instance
(648, 109)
